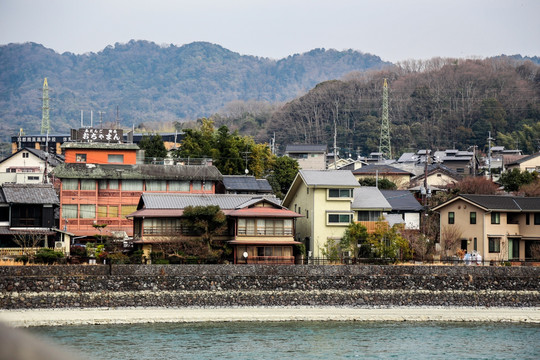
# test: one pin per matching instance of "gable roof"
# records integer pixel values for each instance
(369, 197)
(525, 158)
(245, 183)
(305, 148)
(498, 202)
(402, 200)
(337, 178)
(51, 159)
(29, 194)
(173, 205)
(438, 168)
(381, 169)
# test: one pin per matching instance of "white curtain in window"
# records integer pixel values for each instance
(178, 185)
(132, 185)
(70, 184)
(88, 211)
(88, 184)
(69, 211)
(156, 185)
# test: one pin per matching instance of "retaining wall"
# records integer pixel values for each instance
(266, 285)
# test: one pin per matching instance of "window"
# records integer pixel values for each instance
(33, 178)
(70, 184)
(369, 215)
(335, 219)
(128, 209)
(88, 211)
(494, 244)
(132, 185)
(241, 227)
(460, 170)
(80, 158)
(197, 185)
(451, 217)
(475, 244)
(473, 217)
(307, 214)
(265, 227)
(25, 155)
(495, 218)
(115, 158)
(207, 185)
(102, 211)
(179, 186)
(512, 218)
(339, 193)
(536, 218)
(69, 211)
(527, 219)
(156, 185)
(162, 226)
(112, 184)
(113, 211)
(88, 184)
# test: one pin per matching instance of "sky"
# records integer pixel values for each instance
(395, 30)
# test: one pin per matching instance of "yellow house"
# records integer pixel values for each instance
(324, 198)
(497, 227)
(529, 163)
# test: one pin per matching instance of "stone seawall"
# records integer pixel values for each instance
(266, 285)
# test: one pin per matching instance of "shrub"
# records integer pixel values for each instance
(48, 256)
(78, 251)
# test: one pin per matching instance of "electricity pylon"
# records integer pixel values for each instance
(45, 120)
(384, 145)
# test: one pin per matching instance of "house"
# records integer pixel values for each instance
(259, 229)
(243, 184)
(439, 177)
(27, 166)
(462, 162)
(399, 177)
(497, 227)
(309, 156)
(369, 206)
(405, 209)
(27, 218)
(528, 163)
(324, 198)
(101, 183)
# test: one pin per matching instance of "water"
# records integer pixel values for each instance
(300, 340)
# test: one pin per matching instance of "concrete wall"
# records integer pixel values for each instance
(266, 285)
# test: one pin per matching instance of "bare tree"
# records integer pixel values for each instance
(28, 241)
(450, 238)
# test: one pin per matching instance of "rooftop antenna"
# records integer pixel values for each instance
(117, 118)
(384, 145)
(45, 120)
(101, 119)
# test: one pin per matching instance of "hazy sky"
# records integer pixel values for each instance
(392, 29)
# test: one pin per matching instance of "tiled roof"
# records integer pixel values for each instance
(29, 194)
(381, 169)
(305, 148)
(368, 197)
(525, 158)
(402, 200)
(181, 201)
(329, 178)
(245, 183)
(146, 171)
(506, 203)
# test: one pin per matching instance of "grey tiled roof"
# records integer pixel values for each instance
(525, 158)
(382, 169)
(329, 178)
(305, 148)
(402, 200)
(367, 197)
(245, 183)
(181, 201)
(147, 171)
(506, 203)
(30, 194)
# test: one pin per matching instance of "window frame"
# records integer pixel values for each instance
(451, 218)
(331, 194)
(340, 216)
(495, 218)
(472, 218)
(494, 245)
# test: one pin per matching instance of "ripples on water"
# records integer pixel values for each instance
(300, 340)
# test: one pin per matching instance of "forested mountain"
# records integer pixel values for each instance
(440, 103)
(152, 83)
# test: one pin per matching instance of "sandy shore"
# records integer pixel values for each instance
(60, 317)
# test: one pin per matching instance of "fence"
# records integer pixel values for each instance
(389, 261)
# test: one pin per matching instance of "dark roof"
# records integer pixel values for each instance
(525, 158)
(501, 202)
(146, 171)
(305, 148)
(30, 194)
(402, 200)
(246, 183)
(434, 168)
(52, 159)
(382, 169)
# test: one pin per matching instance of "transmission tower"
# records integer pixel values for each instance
(384, 145)
(45, 121)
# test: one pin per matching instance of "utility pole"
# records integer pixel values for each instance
(489, 154)
(101, 119)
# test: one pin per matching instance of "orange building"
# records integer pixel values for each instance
(101, 183)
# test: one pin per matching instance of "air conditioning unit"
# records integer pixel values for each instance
(58, 244)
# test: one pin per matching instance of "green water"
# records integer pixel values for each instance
(300, 340)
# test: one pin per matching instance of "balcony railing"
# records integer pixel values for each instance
(267, 260)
